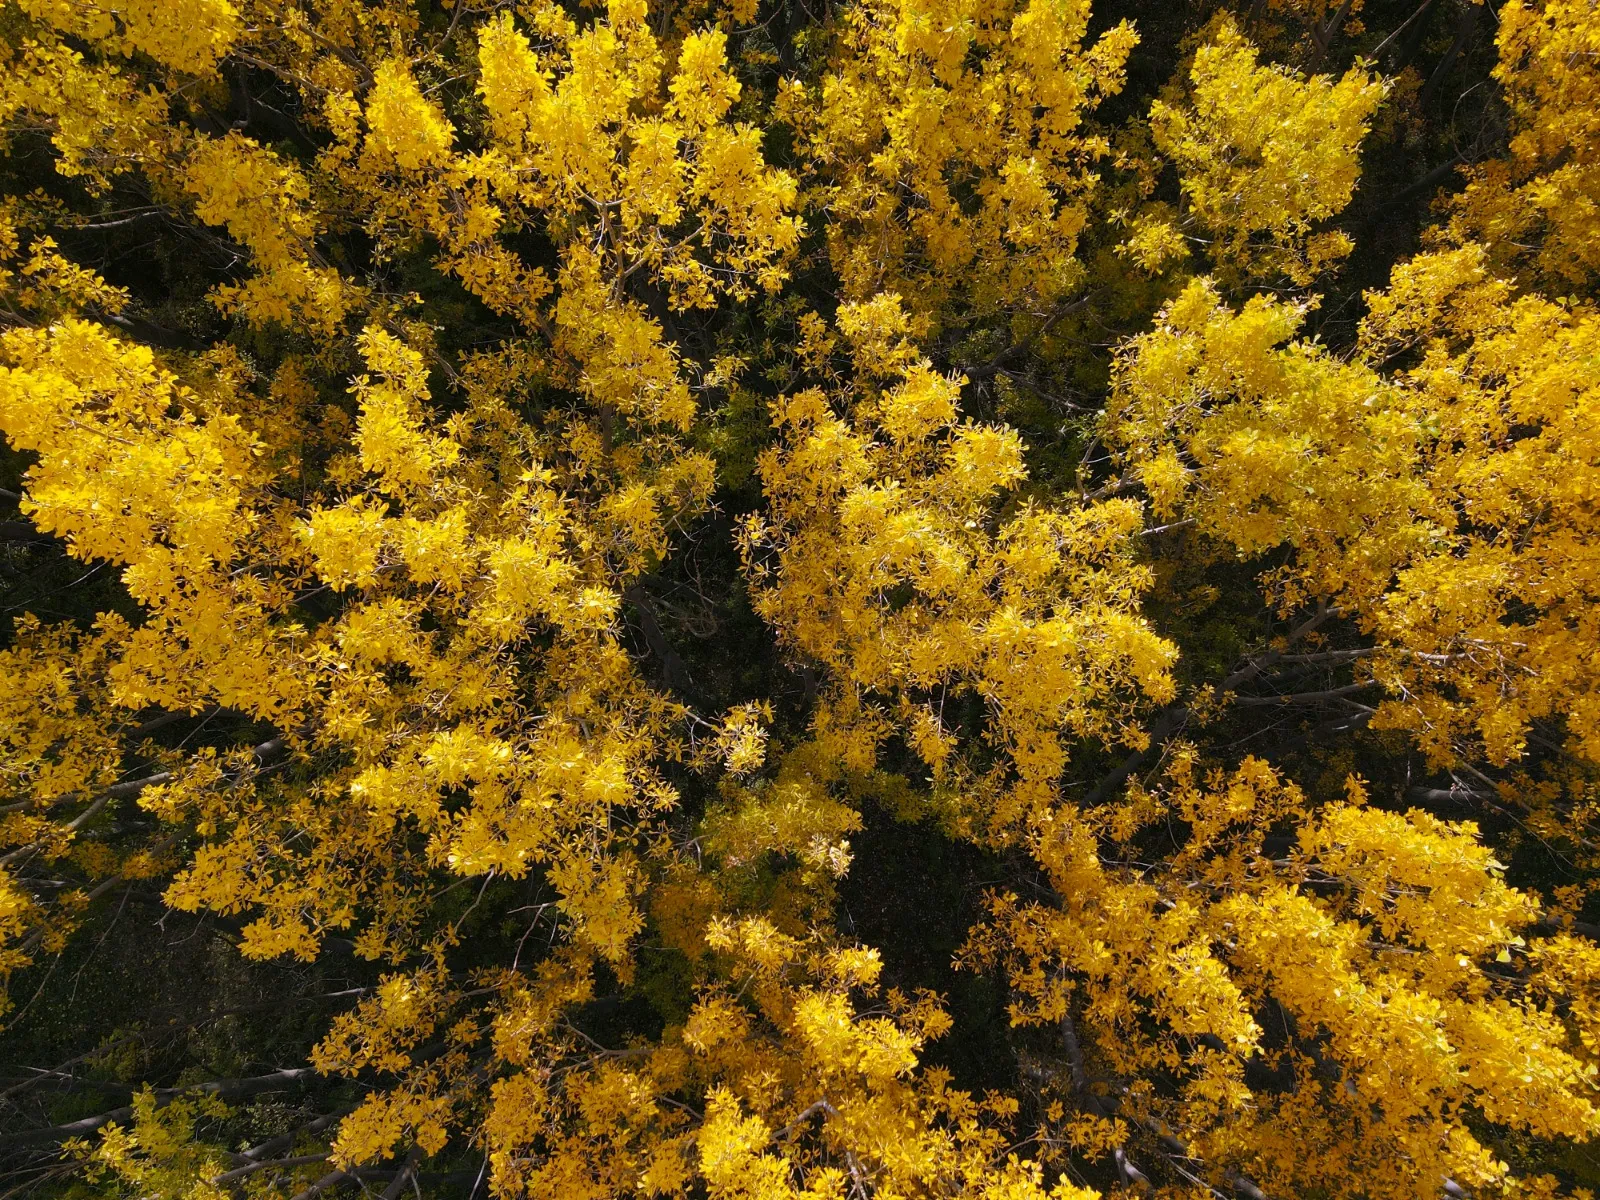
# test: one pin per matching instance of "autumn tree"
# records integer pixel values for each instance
(602, 594)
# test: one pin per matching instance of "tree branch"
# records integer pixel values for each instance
(1016, 350)
(1466, 26)
(1080, 1084)
(23, 533)
(226, 1089)
(1303, 697)
(1171, 719)
(298, 1160)
(323, 1184)
(407, 1169)
(674, 673)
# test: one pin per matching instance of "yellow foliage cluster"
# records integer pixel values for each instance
(393, 503)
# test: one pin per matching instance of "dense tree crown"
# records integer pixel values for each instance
(799, 599)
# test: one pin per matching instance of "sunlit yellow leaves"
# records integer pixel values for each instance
(1262, 153)
(691, 197)
(260, 198)
(1541, 205)
(438, 550)
(404, 126)
(1419, 879)
(983, 460)
(186, 35)
(923, 403)
(264, 202)
(940, 99)
(1033, 612)
(732, 1154)
(345, 542)
(1434, 501)
(702, 90)
(743, 738)
(510, 78)
(1389, 968)
(158, 1152)
(102, 124)
(390, 439)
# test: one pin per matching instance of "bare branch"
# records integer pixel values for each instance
(323, 1184)
(1296, 698)
(298, 1160)
(407, 1169)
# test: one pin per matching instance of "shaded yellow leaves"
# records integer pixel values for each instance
(53, 746)
(626, 367)
(384, 1028)
(36, 278)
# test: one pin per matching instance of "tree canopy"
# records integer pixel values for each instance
(799, 599)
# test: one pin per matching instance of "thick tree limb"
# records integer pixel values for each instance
(152, 334)
(1163, 728)
(24, 533)
(1466, 26)
(263, 754)
(1401, 28)
(805, 1115)
(1130, 1173)
(284, 1140)
(323, 1184)
(1322, 35)
(407, 1169)
(1445, 795)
